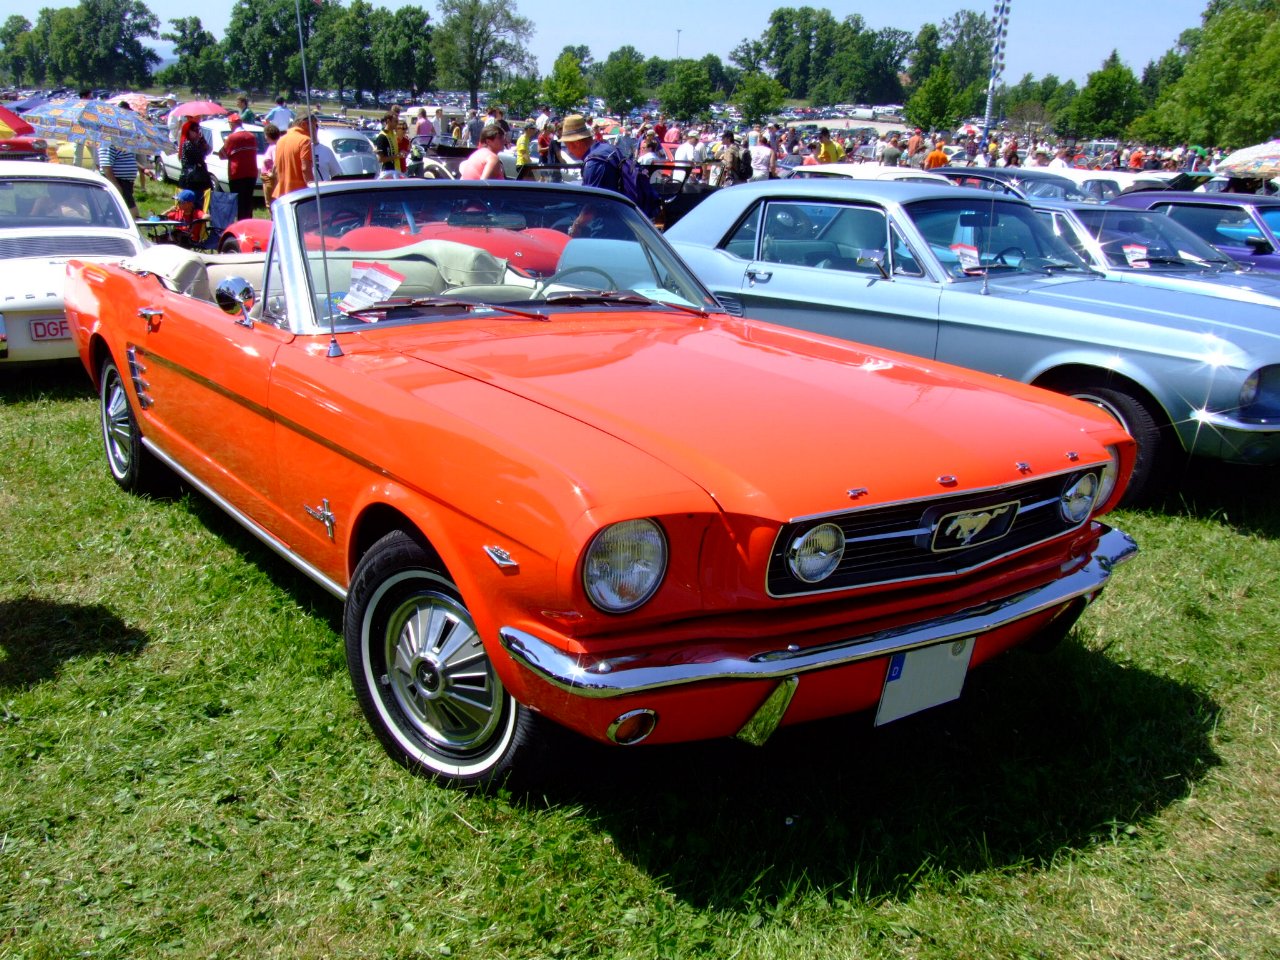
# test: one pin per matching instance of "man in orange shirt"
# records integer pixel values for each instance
(937, 157)
(293, 157)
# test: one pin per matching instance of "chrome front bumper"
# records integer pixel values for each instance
(639, 672)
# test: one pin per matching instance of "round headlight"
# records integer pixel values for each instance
(1078, 498)
(1110, 474)
(624, 565)
(816, 555)
(1249, 389)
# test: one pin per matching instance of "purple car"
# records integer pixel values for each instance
(1244, 226)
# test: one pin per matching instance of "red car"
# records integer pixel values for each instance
(575, 492)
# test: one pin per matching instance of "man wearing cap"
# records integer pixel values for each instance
(602, 166)
(689, 152)
(189, 218)
(240, 150)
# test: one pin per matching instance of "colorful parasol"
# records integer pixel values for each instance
(1261, 161)
(12, 125)
(137, 102)
(98, 121)
(198, 108)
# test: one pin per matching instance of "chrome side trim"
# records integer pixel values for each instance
(279, 548)
(1225, 422)
(639, 672)
(757, 730)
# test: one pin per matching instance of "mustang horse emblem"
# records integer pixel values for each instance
(966, 526)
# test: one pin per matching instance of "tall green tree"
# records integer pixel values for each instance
(190, 40)
(748, 56)
(797, 42)
(261, 43)
(757, 97)
(657, 71)
(565, 87)
(926, 54)
(968, 38)
(1110, 100)
(15, 46)
(402, 51)
(342, 47)
(932, 106)
(1229, 91)
(622, 80)
(687, 95)
(479, 39)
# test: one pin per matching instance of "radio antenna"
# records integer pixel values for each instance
(334, 349)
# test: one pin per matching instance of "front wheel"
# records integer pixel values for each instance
(130, 464)
(1141, 422)
(422, 675)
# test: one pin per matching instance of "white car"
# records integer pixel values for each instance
(49, 213)
(168, 166)
(352, 149)
(866, 171)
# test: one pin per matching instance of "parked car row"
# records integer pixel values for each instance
(775, 467)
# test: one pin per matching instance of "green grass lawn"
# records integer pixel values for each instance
(184, 771)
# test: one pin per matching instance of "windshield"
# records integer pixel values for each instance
(346, 146)
(49, 202)
(447, 248)
(1142, 240)
(973, 235)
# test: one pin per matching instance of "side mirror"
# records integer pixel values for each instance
(236, 297)
(1259, 245)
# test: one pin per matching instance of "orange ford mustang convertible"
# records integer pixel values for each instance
(551, 481)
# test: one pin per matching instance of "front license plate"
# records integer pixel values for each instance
(923, 678)
(55, 328)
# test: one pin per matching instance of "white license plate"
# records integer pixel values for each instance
(55, 328)
(923, 678)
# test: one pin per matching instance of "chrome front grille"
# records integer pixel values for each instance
(64, 246)
(901, 541)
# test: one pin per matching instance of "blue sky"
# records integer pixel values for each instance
(1069, 38)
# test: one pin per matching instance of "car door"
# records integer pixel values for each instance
(206, 385)
(838, 269)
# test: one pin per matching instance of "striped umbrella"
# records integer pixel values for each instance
(98, 121)
(12, 125)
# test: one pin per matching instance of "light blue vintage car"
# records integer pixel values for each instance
(1148, 248)
(978, 279)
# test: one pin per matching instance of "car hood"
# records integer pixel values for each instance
(1246, 287)
(1249, 325)
(773, 422)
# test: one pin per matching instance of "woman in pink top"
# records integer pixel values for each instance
(484, 163)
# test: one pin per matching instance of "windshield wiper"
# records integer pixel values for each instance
(615, 297)
(384, 308)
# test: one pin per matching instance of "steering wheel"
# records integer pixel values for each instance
(610, 283)
(344, 221)
(1000, 257)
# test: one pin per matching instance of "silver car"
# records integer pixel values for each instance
(352, 149)
(978, 279)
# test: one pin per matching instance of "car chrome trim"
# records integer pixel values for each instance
(768, 716)
(1019, 482)
(605, 677)
(279, 548)
(1222, 421)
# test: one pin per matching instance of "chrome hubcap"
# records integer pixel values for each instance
(117, 431)
(439, 673)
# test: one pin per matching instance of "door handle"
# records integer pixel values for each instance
(152, 315)
(759, 276)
